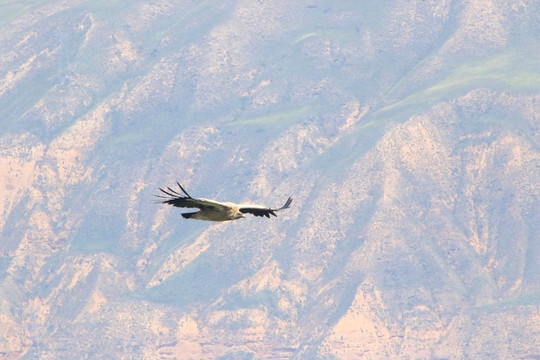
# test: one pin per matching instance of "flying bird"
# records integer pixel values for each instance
(212, 210)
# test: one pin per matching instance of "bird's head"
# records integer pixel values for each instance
(238, 215)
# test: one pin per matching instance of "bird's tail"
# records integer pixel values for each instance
(188, 215)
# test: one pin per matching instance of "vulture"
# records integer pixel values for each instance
(212, 210)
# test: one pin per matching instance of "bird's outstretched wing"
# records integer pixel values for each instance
(259, 210)
(186, 201)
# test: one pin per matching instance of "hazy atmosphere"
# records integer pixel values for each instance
(406, 131)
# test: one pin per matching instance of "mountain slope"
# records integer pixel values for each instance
(406, 132)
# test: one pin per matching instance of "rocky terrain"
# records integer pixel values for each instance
(407, 132)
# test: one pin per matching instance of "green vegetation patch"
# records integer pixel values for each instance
(512, 71)
(11, 10)
(518, 70)
(281, 119)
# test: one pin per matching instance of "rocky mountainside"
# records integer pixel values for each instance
(407, 132)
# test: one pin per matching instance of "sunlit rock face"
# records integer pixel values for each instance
(407, 133)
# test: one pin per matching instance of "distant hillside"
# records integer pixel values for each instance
(407, 132)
